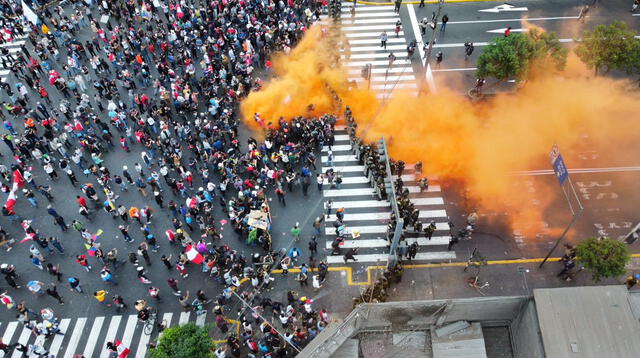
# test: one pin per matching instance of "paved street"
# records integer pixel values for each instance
(605, 180)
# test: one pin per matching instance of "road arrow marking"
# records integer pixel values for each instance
(501, 31)
(504, 7)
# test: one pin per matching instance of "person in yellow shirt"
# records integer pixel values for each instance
(45, 29)
(100, 296)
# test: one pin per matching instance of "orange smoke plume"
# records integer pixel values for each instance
(479, 144)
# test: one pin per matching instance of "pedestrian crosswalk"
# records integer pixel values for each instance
(14, 48)
(89, 336)
(366, 215)
(363, 31)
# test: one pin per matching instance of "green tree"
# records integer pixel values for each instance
(185, 341)
(608, 47)
(604, 257)
(513, 56)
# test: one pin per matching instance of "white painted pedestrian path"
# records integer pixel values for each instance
(366, 215)
(89, 336)
(363, 31)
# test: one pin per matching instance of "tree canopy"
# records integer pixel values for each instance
(609, 47)
(185, 341)
(514, 55)
(603, 257)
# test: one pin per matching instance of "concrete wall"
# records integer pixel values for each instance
(525, 333)
(411, 315)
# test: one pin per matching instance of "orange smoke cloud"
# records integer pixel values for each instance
(479, 144)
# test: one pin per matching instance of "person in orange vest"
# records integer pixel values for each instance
(134, 213)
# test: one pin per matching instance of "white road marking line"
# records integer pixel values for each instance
(370, 34)
(111, 334)
(385, 70)
(456, 69)
(420, 256)
(141, 352)
(384, 63)
(388, 27)
(337, 148)
(22, 339)
(393, 86)
(338, 137)
(390, 79)
(479, 44)
(379, 216)
(512, 20)
(370, 21)
(348, 192)
(503, 8)
(373, 243)
(361, 204)
(418, 37)
(391, 40)
(340, 158)
(129, 329)
(358, 56)
(360, 7)
(351, 180)
(376, 229)
(75, 337)
(378, 48)
(93, 336)
(502, 30)
(371, 14)
(345, 169)
(166, 317)
(8, 333)
(57, 340)
(201, 319)
(416, 189)
(184, 318)
(13, 43)
(427, 201)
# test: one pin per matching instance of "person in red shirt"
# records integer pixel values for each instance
(507, 32)
(81, 201)
(82, 260)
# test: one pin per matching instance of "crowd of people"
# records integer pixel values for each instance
(157, 84)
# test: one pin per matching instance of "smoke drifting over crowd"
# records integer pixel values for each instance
(478, 143)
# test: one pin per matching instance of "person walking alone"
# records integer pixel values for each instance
(444, 20)
(383, 39)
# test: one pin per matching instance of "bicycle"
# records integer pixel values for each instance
(149, 324)
(478, 285)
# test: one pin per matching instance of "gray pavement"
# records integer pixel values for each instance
(611, 213)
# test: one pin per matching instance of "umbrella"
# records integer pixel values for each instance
(193, 255)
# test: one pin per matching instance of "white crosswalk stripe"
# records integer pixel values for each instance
(93, 337)
(111, 334)
(368, 217)
(89, 336)
(59, 338)
(75, 338)
(362, 32)
(371, 258)
(14, 48)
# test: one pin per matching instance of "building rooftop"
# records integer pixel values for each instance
(575, 322)
(587, 322)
